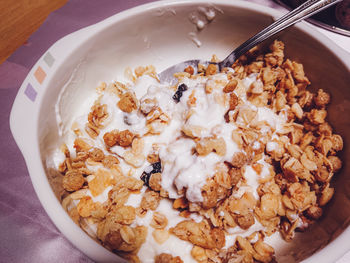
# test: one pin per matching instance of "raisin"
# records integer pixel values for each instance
(178, 94)
(156, 168)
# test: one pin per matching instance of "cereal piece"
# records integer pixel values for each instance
(268, 205)
(115, 137)
(192, 131)
(307, 163)
(180, 203)
(73, 181)
(126, 239)
(335, 162)
(297, 110)
(136, 160)
(153, 158)
(124, 215)
(322, 174)
(125, 138)
(157, 126)
(128, 102)
(287, 230)
(257, 87)
(325, 129)
(242, 205)
(237, 138)
(98, 115)
(280, 101)
(314, 212)
(76, 164)
(149, 70)
(287, 202)
(239, 159)
(269, 77)
(189, 70)
(276, 56)
(326, 196)
(81, 145)
(127, 234)
(137, 146)
(147, 105)
(246, 114)
(118, 196)
(222, 177)
(154, 114)
(298, 72)
(155, 182)
(235, 175)
(185, 214)
(159, 221)
(85, 206)
(210, 85)
(117, 88)
(150, 171)
(100, 211)
(306, 99)
(244, 244)
(292, 169)
(111, 138)
(204, 147)
(103, 178)
(199, 254)
(129, 182)
(211, 69)
(150, 200)
(264, 252)
(296, 135)
(322, 98)
(210, 194)
(92, 130)
(191, 102)
(245, 221)
(306, 140)
(255, 67)
(200, 234)
(207, 145)
(233, 101)
(109, 161)
(337, 142)
(167, 258)
(230, 86)
(160, 235)
(64, 149)
(324, 145)
(275, 149)
(96, 154)
(317, 116)
(301, 196)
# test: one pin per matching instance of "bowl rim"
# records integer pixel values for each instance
(37, 173)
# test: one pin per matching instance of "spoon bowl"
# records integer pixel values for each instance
(302, 12)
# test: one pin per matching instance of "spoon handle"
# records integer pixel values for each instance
(305, 10)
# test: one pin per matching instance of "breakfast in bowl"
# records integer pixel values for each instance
(229, 166)
(217, 168)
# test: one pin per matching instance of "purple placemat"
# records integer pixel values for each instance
(27, 233)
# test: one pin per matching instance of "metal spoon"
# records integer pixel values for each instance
(303, 11)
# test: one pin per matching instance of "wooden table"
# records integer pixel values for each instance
(19, 19)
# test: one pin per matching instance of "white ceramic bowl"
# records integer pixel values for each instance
(158, 34)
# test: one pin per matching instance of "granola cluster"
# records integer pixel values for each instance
(273, 157)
